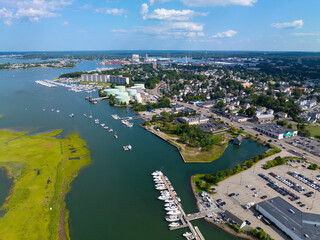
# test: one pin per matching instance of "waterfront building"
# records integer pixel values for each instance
(234, 219)
(104, 78)
(295, 223)
(237, 140)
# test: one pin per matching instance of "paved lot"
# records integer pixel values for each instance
(244, 182)
(306, 144)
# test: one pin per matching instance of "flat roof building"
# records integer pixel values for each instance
(295, 223)
(263, 118)
(276, 131)
(104, 78)
(197, 119)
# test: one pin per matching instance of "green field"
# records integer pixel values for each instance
(42, 168)
(314, 131)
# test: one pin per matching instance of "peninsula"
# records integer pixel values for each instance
(47, 64)
(42, 168)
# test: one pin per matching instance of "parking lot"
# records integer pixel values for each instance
(242, 191)
(306, 144)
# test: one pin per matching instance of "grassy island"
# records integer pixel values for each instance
(42, 168)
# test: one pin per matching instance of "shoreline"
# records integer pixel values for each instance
(218, 225)
(178, 148)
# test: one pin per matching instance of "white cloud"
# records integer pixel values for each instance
(203, 3)
(306, 34)
(144, 9)
(227, 34)
(111, 11)
(30, 10)
(172, 14)
(166, 30)
(152, 2)
(294, 24)
(6, 15)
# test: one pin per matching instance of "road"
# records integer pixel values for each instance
(249, 128)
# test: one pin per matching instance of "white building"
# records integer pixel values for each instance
(104, 78)
(135, 58)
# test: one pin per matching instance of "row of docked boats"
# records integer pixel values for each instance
(127, 123)
(103, 125)
(166, 194)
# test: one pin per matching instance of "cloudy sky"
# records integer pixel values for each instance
(265, 25)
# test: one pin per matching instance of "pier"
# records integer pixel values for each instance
(184, 218)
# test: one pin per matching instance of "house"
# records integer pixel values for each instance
(234, 219)
(237, 140)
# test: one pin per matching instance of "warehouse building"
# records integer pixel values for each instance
(104, 78)
(296, 224)
(276, 131)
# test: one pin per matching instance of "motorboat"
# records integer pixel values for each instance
(156, 173)
(90, 117)
(172, 218)
(171, 208)
(163, 198)
(174, 224)
(102, 124)
(174, 212)
(71, 115)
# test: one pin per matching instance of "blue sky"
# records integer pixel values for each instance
(264, 25)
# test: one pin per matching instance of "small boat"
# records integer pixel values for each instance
(111, 130)
(102, 124)
(162, 198)
(52, 110)
(84, 114)
(94, 102)
(174, 212)
(71, 115)
(156, 173)
(106, 127)
(172, 218)
(96, 121)
(171, 208)
(58, 111)
(90, 117)
(116, 136)
(127, 148)
(174, 224)
(169, 200)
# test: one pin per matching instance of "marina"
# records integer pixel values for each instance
(174, 209)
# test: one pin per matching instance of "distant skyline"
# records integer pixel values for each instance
(236, 25)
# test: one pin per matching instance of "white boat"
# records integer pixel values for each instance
(102, 124)
(174, 212)
(168, 204)
(174, 224)
(170, 200)
(71, 115)
(116, 136)
(58, 111)
(160, 188)
(156, 173)
(127, 148)
(171, 208)
(163, 197)
(179, 200)
(172, 218)
(90, 117)
(84, 114)
(110, 130)
(187, 234)
(96, 121)
(52, 110)
(160, 185)
(106, 127)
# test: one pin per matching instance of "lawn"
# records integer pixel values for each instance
(315, 131)
(42, 168)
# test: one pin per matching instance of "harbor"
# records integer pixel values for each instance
(97, 203)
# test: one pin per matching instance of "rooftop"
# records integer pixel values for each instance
(299, 222)
(274, 128)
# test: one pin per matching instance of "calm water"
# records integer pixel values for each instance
(114, 198)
